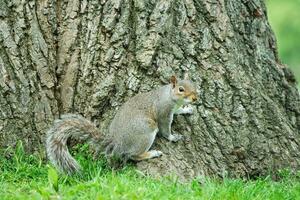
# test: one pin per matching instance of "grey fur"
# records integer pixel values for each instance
(70, 125)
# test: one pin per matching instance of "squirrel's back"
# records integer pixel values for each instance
(140, 106)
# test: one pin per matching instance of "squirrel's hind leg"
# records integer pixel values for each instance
(144, 143)
(147, 155)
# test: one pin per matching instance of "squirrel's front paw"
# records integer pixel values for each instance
(188, 109)
(174, 137)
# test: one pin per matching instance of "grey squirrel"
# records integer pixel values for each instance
(131, 132)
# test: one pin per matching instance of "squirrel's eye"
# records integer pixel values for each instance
(181, 89)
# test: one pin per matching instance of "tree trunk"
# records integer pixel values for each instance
(89, 57)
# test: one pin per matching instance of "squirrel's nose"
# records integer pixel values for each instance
(194, 99)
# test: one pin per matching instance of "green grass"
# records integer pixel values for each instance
(28, 177)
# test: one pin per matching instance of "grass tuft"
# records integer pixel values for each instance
(29, 177)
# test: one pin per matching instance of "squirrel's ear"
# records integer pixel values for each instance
(173, 81)
(186, 76)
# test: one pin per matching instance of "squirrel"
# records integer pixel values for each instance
(132, 130)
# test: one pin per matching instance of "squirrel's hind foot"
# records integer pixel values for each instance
(148, 155)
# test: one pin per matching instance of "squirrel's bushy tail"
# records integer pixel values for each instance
(69, 125)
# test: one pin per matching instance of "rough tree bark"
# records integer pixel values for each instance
(88, 57)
